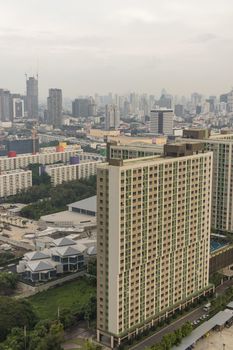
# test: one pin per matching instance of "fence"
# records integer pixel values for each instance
(29, 290)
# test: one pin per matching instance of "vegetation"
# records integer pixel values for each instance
(216, 278)
(47, 199)
(171, 339)
(8, 283)
(15, 313)
(37, 177)
(92, 266)
(47, 335)
(31, 195)
(5, 257)
(88, 345)
(72, 300)
(221, 301)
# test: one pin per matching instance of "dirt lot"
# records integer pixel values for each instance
(216, 340)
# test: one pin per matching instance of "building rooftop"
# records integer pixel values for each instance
(218, 320)
(37, 266)
(88, 204)
(68, 251)
(37, 255)
(61, 242)
(68, 217)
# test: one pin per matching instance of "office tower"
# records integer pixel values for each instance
(153, 238)
(161, 121)
(165, 101)
(179, 110)
(32, 98)
(223, 98)
(92, 107)
(230, 101)
(54, 103)
(112, 117)
(213, 103)
(133, 99)
(196, 99)
(80, 107)
(126, 109)
(6, 113)
(18, 106)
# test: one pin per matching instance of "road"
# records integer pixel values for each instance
(192, 316)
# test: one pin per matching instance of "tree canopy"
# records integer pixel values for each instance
(15, 313)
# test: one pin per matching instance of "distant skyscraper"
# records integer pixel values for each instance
(32, 98)
(81, 107)
(230, 101)
(153, 239)
(161, 121)
(54, 103)
(6, 110)
(165, 101)
(112, 117)
(18, 106)
(179, 110)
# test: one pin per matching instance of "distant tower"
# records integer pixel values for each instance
(112, 117)
(54, 103)
(32, 97)
(161, 121)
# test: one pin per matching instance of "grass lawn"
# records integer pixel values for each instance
(73, 295)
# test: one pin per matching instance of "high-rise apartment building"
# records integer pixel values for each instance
(14, 181)
(32, 98)
(153, 238)
(18, 106)
(83, 107)
(54, 104)
(161, 121)
(112, 117)
(6, 113)
(222, 185)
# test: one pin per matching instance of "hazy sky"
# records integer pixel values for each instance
(117, 45)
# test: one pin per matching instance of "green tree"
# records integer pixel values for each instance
(15, 340)
(178, 334)
(186, 329)
(67, 318)
(8, 283)
(53, 339)
(15, 313)
(89, 345)
(92, 266)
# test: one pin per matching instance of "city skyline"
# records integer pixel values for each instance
(83, 49)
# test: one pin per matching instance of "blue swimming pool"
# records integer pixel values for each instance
(214, 245)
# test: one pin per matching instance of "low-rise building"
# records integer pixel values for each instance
(64, 256)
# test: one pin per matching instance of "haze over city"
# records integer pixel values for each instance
(106, 45)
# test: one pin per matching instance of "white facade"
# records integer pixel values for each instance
(23, 160)
(161, 121)
(64, 173)
(112, 117)
(12, 182)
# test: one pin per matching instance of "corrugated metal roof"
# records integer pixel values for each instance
(218, 320)
(85, 204)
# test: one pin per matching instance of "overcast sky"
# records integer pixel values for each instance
(117, 45)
